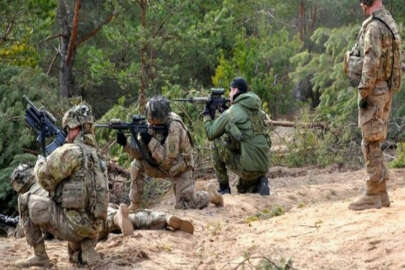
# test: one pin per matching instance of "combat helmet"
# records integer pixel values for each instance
(22, 178)
(78, 116)
(367, 2)
(158, 110)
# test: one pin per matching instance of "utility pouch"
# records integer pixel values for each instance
(352, 67)
(74, 195)
(374, 130)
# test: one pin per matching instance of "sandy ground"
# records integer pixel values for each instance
(305, 219)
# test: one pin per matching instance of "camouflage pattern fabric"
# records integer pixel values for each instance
(183, 185)
(223, 158)
(376, 48)
(142, 219)
(175, 162)
(77, 183)
(240, 142)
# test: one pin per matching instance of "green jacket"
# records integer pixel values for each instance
(245, 130)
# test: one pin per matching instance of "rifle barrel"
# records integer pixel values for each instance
(102, 125)
(193, 99)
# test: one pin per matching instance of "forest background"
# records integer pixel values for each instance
(115, 54)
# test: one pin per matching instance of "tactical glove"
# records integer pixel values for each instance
(145, 136)
(363, 103)
(121, 139)
(209, 110)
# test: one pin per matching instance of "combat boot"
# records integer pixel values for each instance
(121, 220)
(224, 188)
(263, 186)
(385, 199)
(214, 196)
(89, 254)
(40, 258)
(74, 252)
(180, 224)
(371, 199)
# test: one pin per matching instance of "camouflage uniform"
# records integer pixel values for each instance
(175, 162)
(241, 142)
(76, 209)
(144, 220)
(379, 78)
(23, 182)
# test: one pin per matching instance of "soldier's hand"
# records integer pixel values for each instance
(363, 103)
(145, 136)
(121, 139)
(209, 111)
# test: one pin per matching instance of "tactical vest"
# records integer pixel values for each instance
(188, 157)
(353, 60)
(87, 188)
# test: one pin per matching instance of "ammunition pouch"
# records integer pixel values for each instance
(374, 130)
(352, 67)
(74, 195)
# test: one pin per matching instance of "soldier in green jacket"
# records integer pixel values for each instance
(240, 141)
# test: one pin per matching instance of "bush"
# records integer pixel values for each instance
(17, 143)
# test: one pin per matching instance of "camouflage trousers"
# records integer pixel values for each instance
(41, 214)
(183, 185)
(142, 219)
(225, 158)
(373, 122)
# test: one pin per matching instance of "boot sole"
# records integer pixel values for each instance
(219, 201)
(123, 221)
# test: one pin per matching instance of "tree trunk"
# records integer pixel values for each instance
(144, 50)
(66, 79)
(301, 19)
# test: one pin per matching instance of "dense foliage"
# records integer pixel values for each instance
(117, 53)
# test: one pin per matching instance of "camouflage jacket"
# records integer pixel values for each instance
(245, 132)
(76, 179)
(173, 153)
(376, 48)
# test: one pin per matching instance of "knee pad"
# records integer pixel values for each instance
(39, 209)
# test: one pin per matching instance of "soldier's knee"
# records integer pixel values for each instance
(39, 209)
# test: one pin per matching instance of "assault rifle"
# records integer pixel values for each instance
(44, 124)
(138, 125)
(9, 221)
(213, 103)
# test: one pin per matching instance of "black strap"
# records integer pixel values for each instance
(393, 49)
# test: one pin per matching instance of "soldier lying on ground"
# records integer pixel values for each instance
(23, 181)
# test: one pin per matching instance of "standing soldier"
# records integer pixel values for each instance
(76, 208)
(374, 66)
(241, 142)
(170, 147)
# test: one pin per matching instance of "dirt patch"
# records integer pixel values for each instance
(305, 219)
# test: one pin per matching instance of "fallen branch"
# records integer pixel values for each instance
(296, 124)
